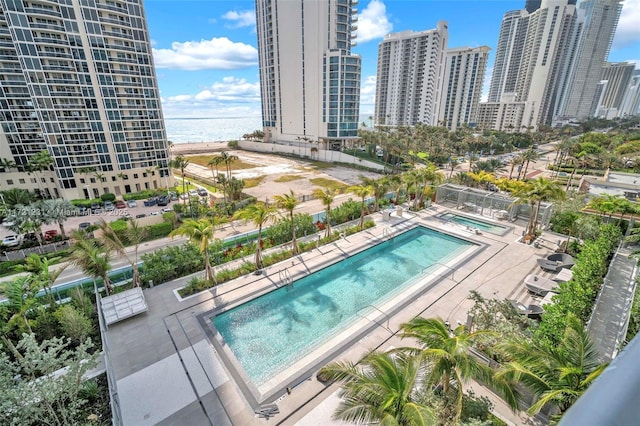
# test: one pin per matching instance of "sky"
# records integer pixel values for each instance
(206, 57)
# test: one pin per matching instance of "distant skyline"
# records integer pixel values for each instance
(206, 56)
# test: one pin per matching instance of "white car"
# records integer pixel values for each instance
(167, 210)
(12, 240)
(193, 193)
(154, 214)
(132, 204)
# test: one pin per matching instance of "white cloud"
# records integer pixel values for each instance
(231, 97)
(373, 22)
(244, 18)
(628, 31)
(368, 95)
(215, 54)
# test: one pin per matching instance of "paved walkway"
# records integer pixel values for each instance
(607, 325)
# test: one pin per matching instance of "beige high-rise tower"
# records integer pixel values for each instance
(78, 81)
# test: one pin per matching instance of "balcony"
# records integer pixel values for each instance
(354, 11)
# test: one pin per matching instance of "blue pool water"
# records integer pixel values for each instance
(270, 333)
(480, 224)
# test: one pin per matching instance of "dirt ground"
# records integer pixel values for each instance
(273, 168)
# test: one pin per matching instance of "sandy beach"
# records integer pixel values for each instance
(199, 147)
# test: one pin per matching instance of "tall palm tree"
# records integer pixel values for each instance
(362, 191)
(545, 190)
(181, 164)
(530, 155)
(213, 163)
(453, 164)
(149, 171)
(134, 234)
(385, 390)
(379, 188)
(91, 257)
(289, 202)
(448, 355)
(58, 210)
(557, 375)
(326, 196)
(227, 159)
(260, 214)
(200, 232)
(40, 162)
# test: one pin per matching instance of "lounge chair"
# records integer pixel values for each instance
(539, 285)
(531, 311)
(556, 261)
(563, 276)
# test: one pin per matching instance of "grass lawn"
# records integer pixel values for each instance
(202, 160)
(288, 178)
(328, 183)
(253, 182)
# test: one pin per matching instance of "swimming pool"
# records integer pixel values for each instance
(493, 228)
(270, 333)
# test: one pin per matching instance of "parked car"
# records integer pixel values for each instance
(120, 204)
(50, 234)
(150, 202)
(84, 225)
(172, 196)
(140, 216)
(163, 200)
(12, 240)
(154, 214)
(6, 223)
(167, 210)
(83, 211)
(108, 206)
(202, 192)
(132, 203)
(95, 208)
(193, 193)
(184, 196)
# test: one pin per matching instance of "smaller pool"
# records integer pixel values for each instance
(492, 228)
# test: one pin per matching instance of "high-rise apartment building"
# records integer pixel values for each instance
(596, 22)
(77, 80)
(309, 79)
(530, 56)
(410, 77)
(631, 102)
(618, 77)
(464, 72)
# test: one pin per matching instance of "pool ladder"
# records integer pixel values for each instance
(285, 277)
(387, 232)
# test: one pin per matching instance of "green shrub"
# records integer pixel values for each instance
(108, 197)
(159, 230)
(143, 195)
(74, 324)
(280, 232)
(349, 210)
(172, 262)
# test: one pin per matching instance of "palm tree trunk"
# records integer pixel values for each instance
(294, 242)
(328, 232)
(209, 270)
(570, 179)
(259, 249)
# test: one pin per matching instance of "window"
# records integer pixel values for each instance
(9, 181)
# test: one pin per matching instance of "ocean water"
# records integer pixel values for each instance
(194, 130)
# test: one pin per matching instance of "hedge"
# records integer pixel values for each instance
(578, 295)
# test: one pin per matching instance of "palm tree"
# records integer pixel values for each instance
(545, 190)
(227, 159)
(326, 196)
(38, 163)
(289, 202)
(448, 355)
(379, 188)
(533, 193)
(181, 164)
(91, 257)
(385, 390)
(200, 232)
(362, 191)
(41, 277)
(15, 196)
(259, 213)
(134, 234)
(556, 374)
(530, 155)
(58, 210)
(453, 163)
(214, 163)
(426, 176)
(20, 299)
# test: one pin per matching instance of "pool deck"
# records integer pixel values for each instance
(168, 371)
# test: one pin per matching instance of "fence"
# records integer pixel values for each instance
(45, 248)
